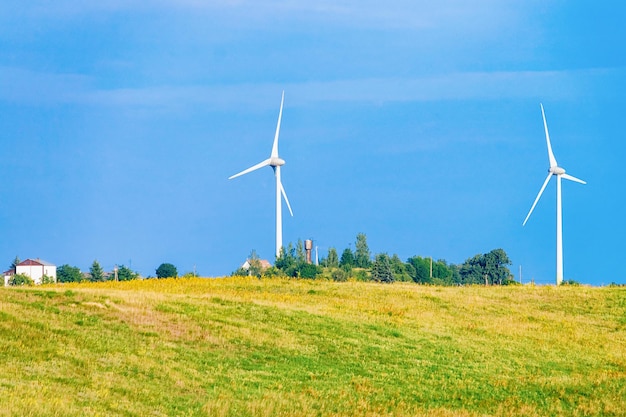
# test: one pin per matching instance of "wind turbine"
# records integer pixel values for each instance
(555, 170)
(275, 162)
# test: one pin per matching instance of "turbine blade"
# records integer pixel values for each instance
(545, 183)
(569, 177)
(282, 190)
(280, 115)
(252, 168)
(550, 154)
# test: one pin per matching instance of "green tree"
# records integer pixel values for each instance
(488, 269)
(399, 269)
(442, 273)
(347, 259)
(240, 272)
(332, 261)
(67, 273)
(496, 268)
(381, 269)
(96, 272)
(272, 271)
(361, 275)
(420, 270)
(300, 252)
(124, 273)
(255, 268)
(286, 259)
(15, 263)
(410, 270)
(306, 270)
(46, 279)
(471, 271)
(166, 270)
(291, 262)
(362, 254)
(456, 276)
(21, 279)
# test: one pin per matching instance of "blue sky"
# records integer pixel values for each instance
(414, 122)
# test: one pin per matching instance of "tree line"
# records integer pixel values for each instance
(486, 269)
(68, 273)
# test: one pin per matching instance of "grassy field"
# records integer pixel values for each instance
(249, 347)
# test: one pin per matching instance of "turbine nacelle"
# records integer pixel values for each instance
(276, 162)
(556, 170)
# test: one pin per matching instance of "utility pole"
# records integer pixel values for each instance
(520, 274)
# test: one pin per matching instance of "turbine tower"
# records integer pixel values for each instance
(275, 162)
(555, 170)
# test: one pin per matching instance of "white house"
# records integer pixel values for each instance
(34, 268)
(264, 264)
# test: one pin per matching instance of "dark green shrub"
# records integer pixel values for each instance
(21, 279)
(47, 280)
(308, 271)
(339, 275)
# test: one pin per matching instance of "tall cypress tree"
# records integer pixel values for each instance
(362, 255)
(333, 258)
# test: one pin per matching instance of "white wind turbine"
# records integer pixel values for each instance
(559, 172)
(275, 162)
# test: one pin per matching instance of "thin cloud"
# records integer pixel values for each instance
(30, 87)
(480, 15)
(25, 86)
(456, 86)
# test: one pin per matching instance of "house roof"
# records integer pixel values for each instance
(264, 264)
(35, 262)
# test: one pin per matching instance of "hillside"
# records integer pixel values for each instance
(248, 347)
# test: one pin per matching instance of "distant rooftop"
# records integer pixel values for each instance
(35, 262)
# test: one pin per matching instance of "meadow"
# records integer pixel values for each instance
(277, 347)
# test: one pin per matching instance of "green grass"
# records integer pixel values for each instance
(248, 347)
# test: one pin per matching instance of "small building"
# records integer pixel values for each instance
(264, 264)
(7, 276)
(36, 269)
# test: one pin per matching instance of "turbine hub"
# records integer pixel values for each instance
(557, 170)
(277, 162)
